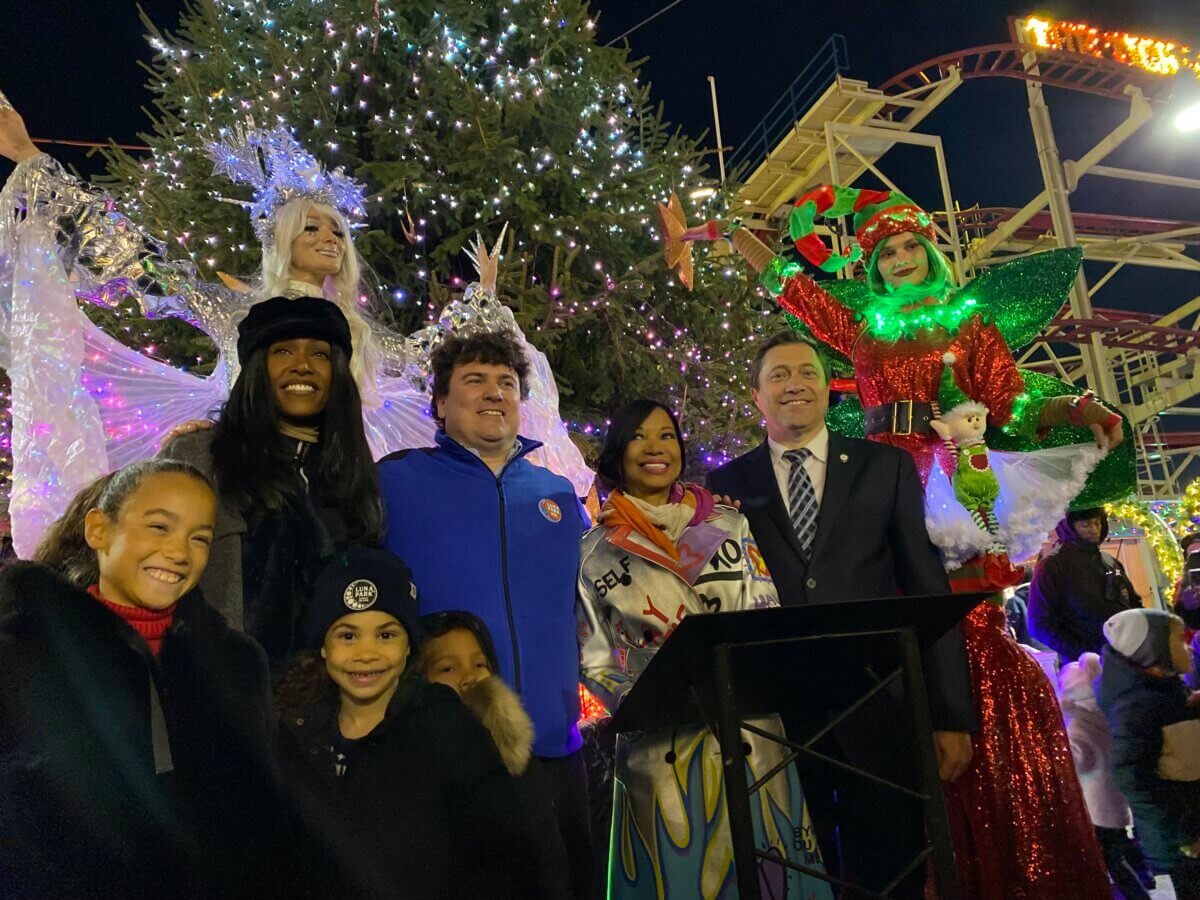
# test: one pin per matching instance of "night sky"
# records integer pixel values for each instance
(72, 68)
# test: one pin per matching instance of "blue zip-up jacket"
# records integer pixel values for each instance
(506, 548)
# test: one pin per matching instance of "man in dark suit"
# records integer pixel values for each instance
(840, 519)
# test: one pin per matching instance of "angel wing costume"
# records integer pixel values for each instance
(84, 404)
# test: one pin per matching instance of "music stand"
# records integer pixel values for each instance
(720, 669)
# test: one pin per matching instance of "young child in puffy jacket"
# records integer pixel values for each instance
(457, 651)
(1155, 725)
(1091, 746)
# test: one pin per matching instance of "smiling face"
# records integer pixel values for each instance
(156, 548)
(902, 259)
(365, 654)
(454, 659)
(300, 370)
(482, 407)
(792, 393)
(653, 459)
(319, 248)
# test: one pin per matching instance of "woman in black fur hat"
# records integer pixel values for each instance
(292, 468)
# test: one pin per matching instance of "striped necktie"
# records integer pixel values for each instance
(802, 499)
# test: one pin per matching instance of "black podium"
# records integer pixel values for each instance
(720, 669)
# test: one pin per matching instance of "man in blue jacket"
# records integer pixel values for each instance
(487, 531)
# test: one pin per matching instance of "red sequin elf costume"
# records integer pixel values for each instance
(1020, 825)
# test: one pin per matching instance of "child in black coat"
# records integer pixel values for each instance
(457, 651)
(135, 726)
(1155, 725)
(397, 785)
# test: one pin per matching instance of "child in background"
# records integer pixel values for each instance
(135, 725)
(1091, 746)
(457, 651)
(1155, 726)
(398, 786)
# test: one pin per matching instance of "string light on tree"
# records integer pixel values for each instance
(458, 119)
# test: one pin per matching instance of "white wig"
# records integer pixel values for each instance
(341, 288)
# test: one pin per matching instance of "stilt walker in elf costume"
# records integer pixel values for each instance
(1020, 825)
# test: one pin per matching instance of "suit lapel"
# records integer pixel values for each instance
(763, 483)
(840, 471)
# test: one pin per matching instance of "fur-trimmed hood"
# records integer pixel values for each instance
(501, 712)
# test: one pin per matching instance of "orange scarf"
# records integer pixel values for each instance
(618, 511)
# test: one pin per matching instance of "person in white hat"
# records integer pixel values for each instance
(1155, 724)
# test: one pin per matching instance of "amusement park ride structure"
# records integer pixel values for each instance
(828, 128)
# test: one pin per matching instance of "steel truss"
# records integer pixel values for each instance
(1145, 363)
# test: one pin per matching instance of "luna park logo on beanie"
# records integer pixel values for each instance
(360, 594)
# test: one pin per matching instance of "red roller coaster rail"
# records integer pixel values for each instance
(1056, 68)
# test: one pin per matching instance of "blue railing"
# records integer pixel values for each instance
(826, 64)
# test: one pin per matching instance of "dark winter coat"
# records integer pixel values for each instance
(84, 812)
(1140, 709)
(500, 711)
(424, 810)
(263, 570)
(1075, 589)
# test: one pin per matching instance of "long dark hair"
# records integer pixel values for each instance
(252, 461)
(64, 546)
(624, 425)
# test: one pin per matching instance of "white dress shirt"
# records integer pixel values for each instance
(814, 465)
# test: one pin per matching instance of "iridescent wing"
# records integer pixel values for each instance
(141, 399)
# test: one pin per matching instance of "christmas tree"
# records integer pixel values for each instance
(461, 116)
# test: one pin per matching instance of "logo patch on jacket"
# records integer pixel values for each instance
(360, 594)
(549, 509)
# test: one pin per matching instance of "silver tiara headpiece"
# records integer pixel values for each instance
(279, 169)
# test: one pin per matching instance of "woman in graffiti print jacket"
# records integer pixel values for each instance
(664, 550)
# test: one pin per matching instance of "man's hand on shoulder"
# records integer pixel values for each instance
(953, 750)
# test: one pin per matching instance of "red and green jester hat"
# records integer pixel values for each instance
(894, 332)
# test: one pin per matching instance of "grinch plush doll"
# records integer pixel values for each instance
(961, 425)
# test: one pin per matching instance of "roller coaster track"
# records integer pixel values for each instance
(1054, 68)
(1126, 329)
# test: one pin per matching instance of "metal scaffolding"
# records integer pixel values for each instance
(1144, 363)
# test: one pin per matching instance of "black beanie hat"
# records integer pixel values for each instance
(282, 319)
(362, 580)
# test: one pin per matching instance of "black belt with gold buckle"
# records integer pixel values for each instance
(902, 417)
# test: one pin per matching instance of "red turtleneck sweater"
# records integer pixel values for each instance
(151, 624)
